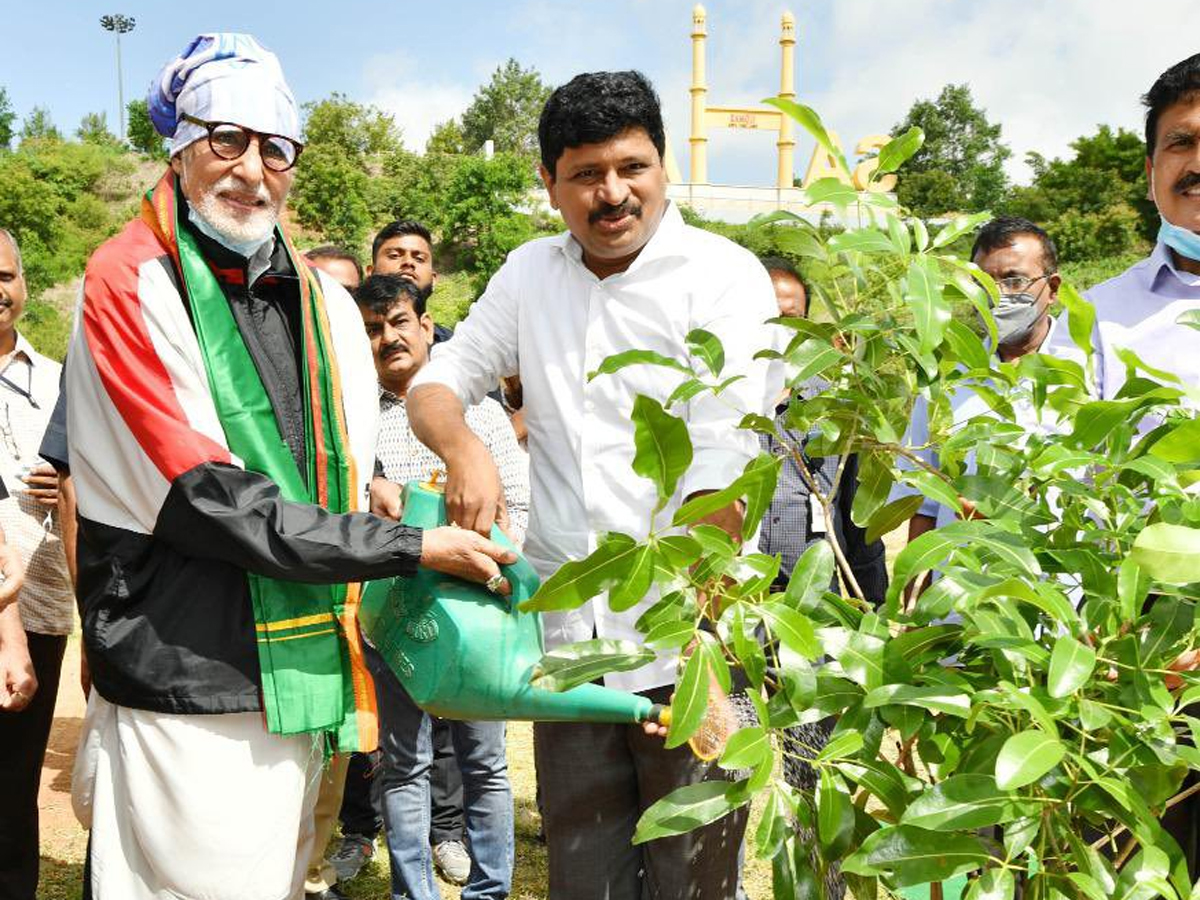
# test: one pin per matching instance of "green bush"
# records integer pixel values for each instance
(47, 328)
(1108, 232)
(450, 300)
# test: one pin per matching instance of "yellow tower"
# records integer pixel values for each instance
(705, 116)
(787, 91)
(699, 139)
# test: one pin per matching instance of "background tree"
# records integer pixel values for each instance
(39, 127)
(506, 110)
(7, 117)
(447, 137)
(1095, 203)
(960, 143)
(93, 129)
(140, 131)
(346, 144)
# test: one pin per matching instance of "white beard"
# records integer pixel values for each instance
(239, 230)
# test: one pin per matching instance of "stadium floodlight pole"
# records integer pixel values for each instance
(119, 25)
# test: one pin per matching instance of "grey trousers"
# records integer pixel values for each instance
(596, 780)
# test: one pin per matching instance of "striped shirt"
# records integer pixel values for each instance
(405, 459)
(28, 392)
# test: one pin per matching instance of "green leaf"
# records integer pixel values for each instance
(633, 587)
(671, 635)
(689, 807)
(579, 581)
(899, 150)
(831, 190)
(792, 628)
(875, 482)
(688, 388)
(933, 698)
(756, 483)
(835, 816)
(842, 745)
(663, 449)
(571, 665)
(956, 228)
(747, 748)
(811, 122)
(1071, 665)
(678, 550)
(773, 827)
(909, 855)
(862, 659)
(1179, 445)
(1026, 757)
(993, 884)
(888, 518)
(747, 647)
(861, 240)
(1191, 319)
(964, 803)
(707, 347)
(923, 294)
(811, 576)
(690, 701)
(880, 778)
(619, 361)
(812, 358)
(1170, 554)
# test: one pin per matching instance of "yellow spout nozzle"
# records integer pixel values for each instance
(660, 715)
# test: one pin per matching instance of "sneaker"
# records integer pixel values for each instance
(352, 855)
(452, 861)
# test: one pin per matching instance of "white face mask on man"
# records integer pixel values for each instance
(1016, 315)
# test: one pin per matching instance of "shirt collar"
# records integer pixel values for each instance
(1161, 265)
(25, 349)
(387, 399)
(666, 242)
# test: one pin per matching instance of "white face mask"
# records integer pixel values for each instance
(1016, 315)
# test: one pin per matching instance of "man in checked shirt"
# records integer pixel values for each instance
(401, 333)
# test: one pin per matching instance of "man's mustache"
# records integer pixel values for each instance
(628, 208)
(391, 350)
(1187, 182)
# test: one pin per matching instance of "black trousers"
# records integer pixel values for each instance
(362, 812)
(23, 739)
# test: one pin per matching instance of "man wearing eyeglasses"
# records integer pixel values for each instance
(1023, 261)
(221, 428)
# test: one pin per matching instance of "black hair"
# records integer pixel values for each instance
(595, 107)
(779, 264)
(1003, 231)
(332, 251)
(1174, 85)
(396, 229)
(379, 293)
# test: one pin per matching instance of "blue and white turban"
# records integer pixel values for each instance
(222, 78)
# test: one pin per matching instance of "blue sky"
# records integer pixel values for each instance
(1048, 70)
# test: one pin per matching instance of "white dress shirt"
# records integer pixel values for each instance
(546, 317)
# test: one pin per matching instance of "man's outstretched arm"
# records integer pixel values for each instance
(474, 496)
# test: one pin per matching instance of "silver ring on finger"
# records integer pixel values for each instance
(494, 583)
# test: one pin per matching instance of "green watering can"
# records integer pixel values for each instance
(462, 652)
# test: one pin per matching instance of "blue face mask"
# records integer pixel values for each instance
(1185, 243)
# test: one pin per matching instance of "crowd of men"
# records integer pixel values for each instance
(218, 470)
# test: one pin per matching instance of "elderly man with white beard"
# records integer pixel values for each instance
(221, 419)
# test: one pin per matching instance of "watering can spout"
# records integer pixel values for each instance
(464, 653)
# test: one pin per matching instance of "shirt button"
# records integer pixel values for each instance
(775, 520)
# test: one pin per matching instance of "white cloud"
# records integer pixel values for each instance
(417, 105)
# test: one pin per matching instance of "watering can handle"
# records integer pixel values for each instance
(522, 579)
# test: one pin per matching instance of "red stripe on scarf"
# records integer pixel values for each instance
(135, 379)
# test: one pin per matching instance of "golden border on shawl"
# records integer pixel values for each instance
(293, 637)
(294, 623)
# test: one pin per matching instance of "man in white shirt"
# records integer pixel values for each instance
(628, 274)
(1023, 261)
